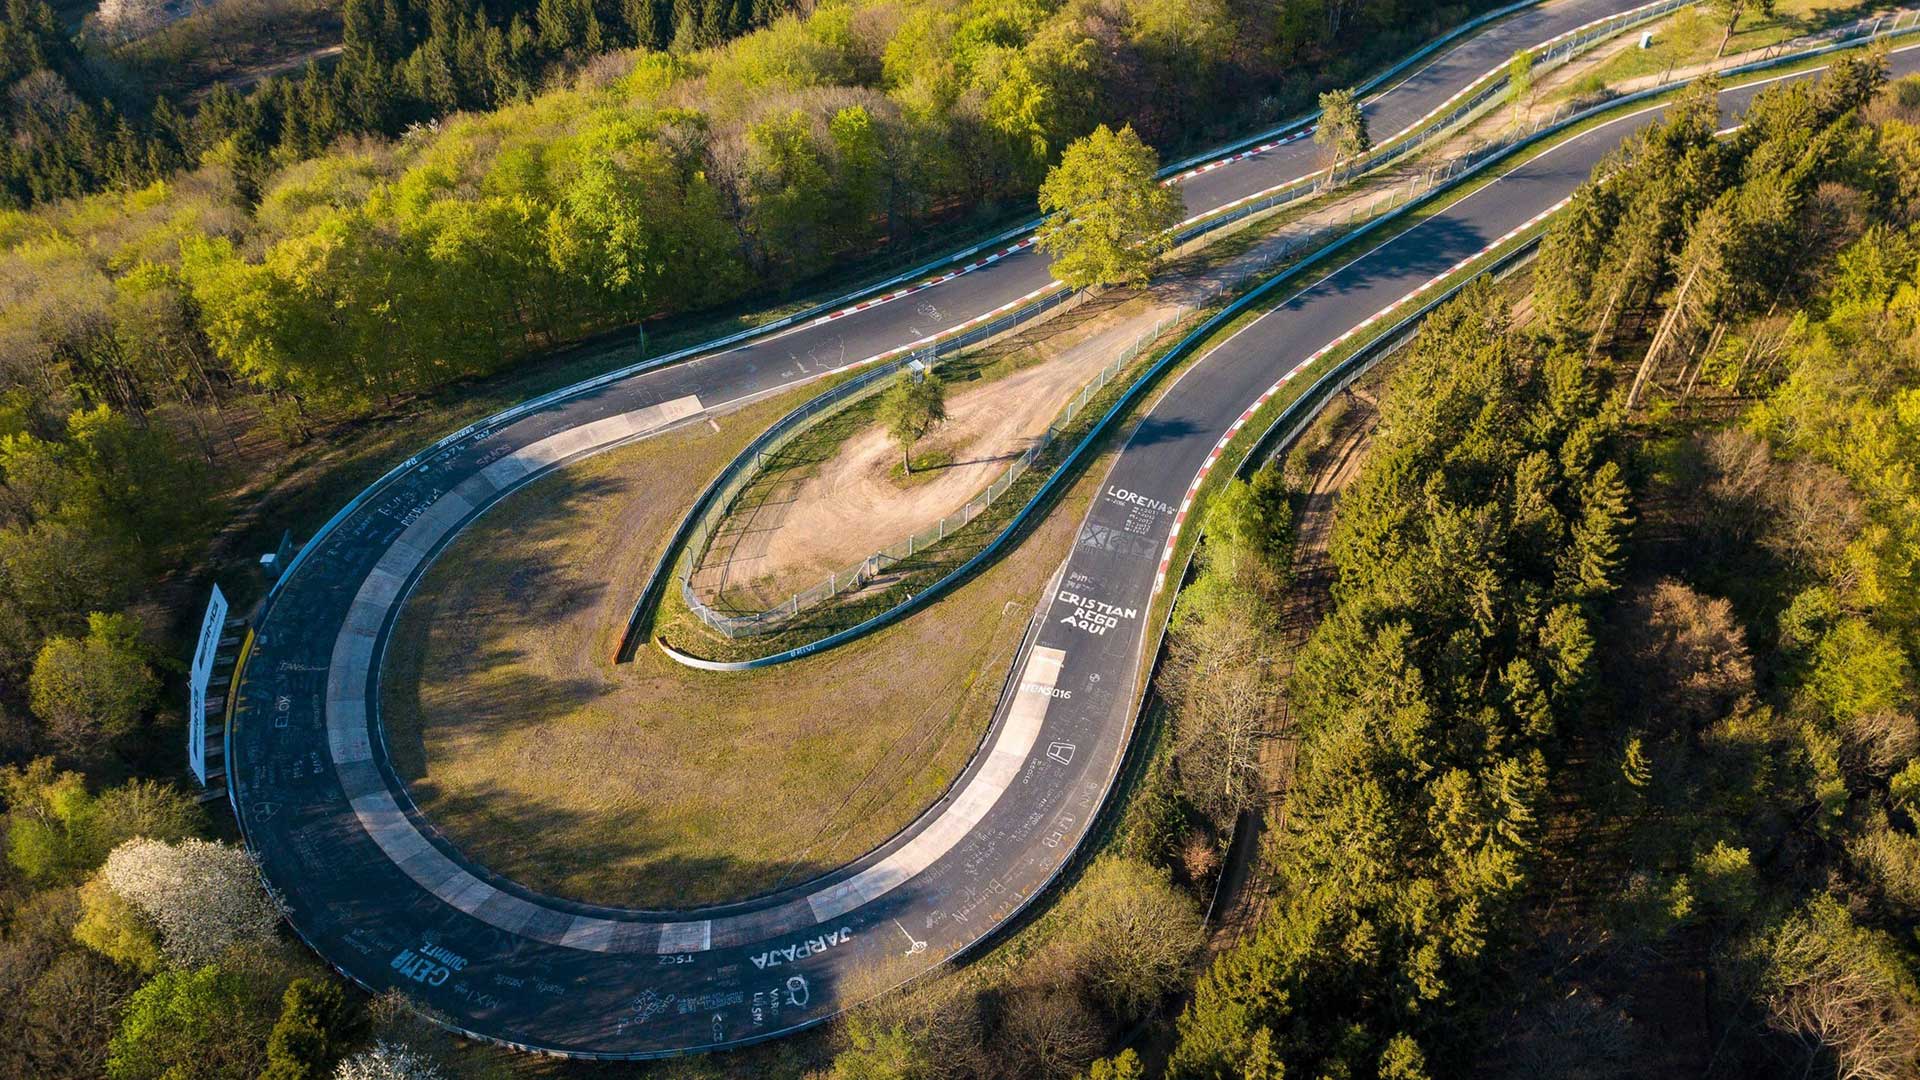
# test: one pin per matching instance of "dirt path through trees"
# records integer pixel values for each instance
(1242, 895)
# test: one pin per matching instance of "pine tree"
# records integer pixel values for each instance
(555, 21)
(1591, 562)
(1635, 767)
(640, 17)
(592, 38)
(360, 28)
(1262, 1063)
(317, 1025)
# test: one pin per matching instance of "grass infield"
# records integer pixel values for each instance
(647, 784)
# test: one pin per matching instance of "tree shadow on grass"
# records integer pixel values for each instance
(498, 582)
(547, 848)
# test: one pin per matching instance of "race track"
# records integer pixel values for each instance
(372, 890)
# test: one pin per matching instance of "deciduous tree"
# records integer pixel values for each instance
(1108, 216)
(1342, 130)
(912, 409)
(204, 896)
(95, 688)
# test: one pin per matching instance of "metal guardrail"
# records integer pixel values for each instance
(481, 428)
(1293, 421)
(1475, 160)
(1466, 105)
(859, 575)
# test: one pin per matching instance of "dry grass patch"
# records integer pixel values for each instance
(652, 785)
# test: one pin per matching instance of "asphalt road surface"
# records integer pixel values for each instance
(371, 887)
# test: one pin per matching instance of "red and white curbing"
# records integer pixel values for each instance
(1231, 158)
(1626, 17)
(1193, 488)
(900, 294)
(1220, 163)
(927, 284)
(1544, 47)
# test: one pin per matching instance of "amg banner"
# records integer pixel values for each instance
(203, 653)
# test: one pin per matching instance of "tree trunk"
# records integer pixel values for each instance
(1661, 337)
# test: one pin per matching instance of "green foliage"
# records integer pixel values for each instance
(1724, 879)
(1425, 701)
(1244, 563)
(58, 833)
(201, 1022)
(1841, 990)
(912, 408)
(1343, 126)
(49, 823)
(1254, 517)
(1520, 78)
(880, 1054)
(90, 512)
(1103, 940)
(1108, 217)
(316, 1027)
(1732, 10)
(1858, 671)
(96, 687)
(403, 62)
(1752, 754)
(1403, 1060)
(117, 930)
(648, 185)
(1156, 817)
(1122, 1066)
(1904, 789)
(61, 1000)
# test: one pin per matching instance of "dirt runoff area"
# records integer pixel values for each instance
(856, 501)
(650, 784)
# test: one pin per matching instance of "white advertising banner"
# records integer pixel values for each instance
(211, 628)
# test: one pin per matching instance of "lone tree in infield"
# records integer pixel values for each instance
(1732, 11)
(1343, 127)
(912, 409)
(1520, 80)
(1108, 216)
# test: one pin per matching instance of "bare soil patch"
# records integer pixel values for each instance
(826, 515)
(650, 784)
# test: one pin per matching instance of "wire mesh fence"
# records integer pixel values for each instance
(859, 575)
(1464, 106)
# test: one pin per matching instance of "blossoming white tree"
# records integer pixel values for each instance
(388, 1061)
(125, 20)
(203, 896)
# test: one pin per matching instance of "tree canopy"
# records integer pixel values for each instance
(1109, 219)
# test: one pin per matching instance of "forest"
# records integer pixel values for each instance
(1606, 754)
(80, 118)
(1604, 758)
(270, 265)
